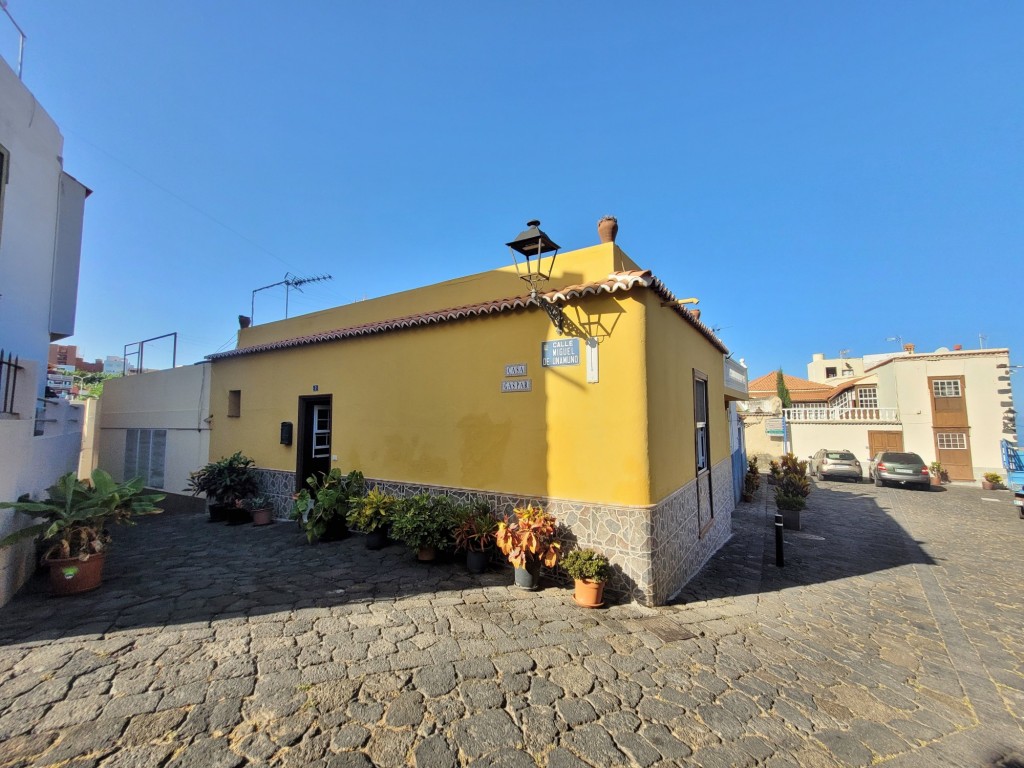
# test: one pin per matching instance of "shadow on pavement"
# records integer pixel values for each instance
(844, 532)
(178, 569)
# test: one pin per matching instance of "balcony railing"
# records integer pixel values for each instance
(735, 377)
(8, 382)
(873, 415)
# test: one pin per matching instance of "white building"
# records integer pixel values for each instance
(953, 407)
(41, 213)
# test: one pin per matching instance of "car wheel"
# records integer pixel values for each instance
(878, 482)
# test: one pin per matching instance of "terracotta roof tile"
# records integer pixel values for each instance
(615, 283)
(794, 384)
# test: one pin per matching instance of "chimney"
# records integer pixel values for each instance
(817, 357)
(908, 348)
(957, 347)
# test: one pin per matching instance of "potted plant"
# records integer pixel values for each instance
(74, 516)
(423, 522)
(528, 541)
(791, 490)
(321, 507)
(474, 533)
(225, 482)
(774, 472)
(590, 571)
(993, 481)
(751, 480)
(936, 471)
(371, 514)
(258, 508)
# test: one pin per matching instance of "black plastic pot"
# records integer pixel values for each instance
(477, 561)
(377, 539)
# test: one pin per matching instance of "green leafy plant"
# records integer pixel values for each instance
(789, 502)
(327, 498)
(774, 471)
(476, 530)
(254, 503)
(793, 486)
(751, 480)
(225, 481)
(586, 565)
(528, 536)
(76, 512)
(422, 521)
(994, 477)
(782, 390)
(371, 512)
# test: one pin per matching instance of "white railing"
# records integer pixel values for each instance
(890, 415)
(735, 376)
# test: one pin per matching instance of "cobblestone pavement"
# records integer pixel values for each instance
(893, 635)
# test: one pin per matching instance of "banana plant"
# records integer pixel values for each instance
(75, 513)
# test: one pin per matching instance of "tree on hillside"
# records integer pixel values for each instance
(782, 390)
(92, 383)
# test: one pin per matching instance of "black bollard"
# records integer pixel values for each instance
(780, 560)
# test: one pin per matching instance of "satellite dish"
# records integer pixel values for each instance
(942, 349)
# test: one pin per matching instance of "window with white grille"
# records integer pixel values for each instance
(842, 400)
(946, 388)
(954, 440)
(867, 397)
(700, 417)
(145, 452)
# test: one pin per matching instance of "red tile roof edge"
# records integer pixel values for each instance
(616, 282)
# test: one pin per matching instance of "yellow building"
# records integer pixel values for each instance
(601, 396)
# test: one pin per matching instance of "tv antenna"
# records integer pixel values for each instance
(982, 338)
(290, 281)
(843, 354)
(897, 339)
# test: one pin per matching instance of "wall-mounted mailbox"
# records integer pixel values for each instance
(286, 433)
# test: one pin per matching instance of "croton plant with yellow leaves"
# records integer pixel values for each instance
(529, 536)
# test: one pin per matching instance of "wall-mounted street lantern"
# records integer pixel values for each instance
(532, 243)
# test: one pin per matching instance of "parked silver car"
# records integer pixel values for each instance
(827, 463)
(906, 469)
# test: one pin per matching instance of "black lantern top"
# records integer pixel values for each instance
(532, 241)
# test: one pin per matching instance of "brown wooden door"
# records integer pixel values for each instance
(953, 450)
(950, 425)
(884, 441)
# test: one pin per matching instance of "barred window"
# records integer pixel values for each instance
(955, 440)
(946, 388)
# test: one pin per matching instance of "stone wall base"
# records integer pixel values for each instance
(654, 550)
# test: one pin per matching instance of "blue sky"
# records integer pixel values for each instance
(822, 175)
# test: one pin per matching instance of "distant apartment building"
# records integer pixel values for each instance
(951, 406)
(116, 364)
(41, 215)
(67, 355)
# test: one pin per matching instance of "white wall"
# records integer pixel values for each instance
(177, 400)
(29, 227)
(985, 389)
(40, 225)
(31, 464)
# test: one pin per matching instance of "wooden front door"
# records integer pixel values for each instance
(879, 441)
(949, 423)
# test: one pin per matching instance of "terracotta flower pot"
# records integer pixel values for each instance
(986, 485)
(589, 594)
(936, 480)
(69, 575)
(262, 517)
